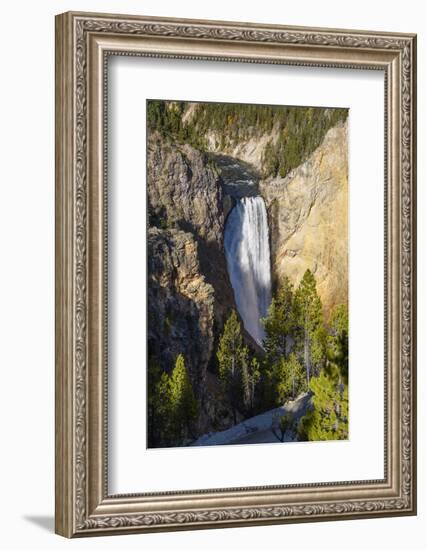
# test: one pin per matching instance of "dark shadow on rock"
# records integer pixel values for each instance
(239, 178)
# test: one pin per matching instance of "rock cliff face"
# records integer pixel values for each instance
(189, 292)
(184, 189)
(180, 303)
(308, 215)
(249, 150)
(185, 192)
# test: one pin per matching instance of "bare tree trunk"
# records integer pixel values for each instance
(231, 390)
(252, 394)
(307, 355)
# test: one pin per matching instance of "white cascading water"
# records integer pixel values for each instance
(247, 252)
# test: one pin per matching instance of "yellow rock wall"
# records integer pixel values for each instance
(308, 214)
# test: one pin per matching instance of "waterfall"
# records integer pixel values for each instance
(247, 252)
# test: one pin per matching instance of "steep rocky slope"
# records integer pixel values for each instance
(189, 292)
(248, 150)
(308, 216)
(185, 192)
(180, 303)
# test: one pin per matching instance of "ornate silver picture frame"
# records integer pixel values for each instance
(84, 42)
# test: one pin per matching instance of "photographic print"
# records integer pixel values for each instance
(247, 273)
(203, 271)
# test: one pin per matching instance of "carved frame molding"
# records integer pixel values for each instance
(83, 43)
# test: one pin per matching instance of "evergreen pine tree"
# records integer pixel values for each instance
(250, 378)
(328, 418)
(183, 404)
(280, 322)
(164, 410)
(309, 314)
(232, 358)
(319, 344)
(160, 429)
(338, 340)
(291, 380)
(152, 402)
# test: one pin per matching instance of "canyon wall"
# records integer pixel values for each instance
(308, 215)
(189, 292)
(308, 212)
(185, 193)
(180, 303)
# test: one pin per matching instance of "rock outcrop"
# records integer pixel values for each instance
(308, 218)
(189, 292)
(184, 189)
(185, 192)
(250, 150)
(180, 303)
